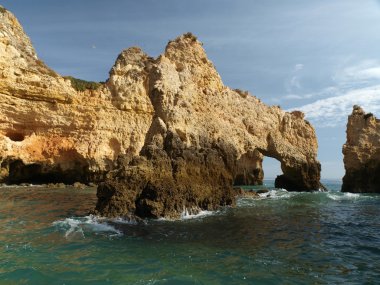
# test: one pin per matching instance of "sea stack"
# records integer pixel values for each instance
(362, 153)
(162, 135)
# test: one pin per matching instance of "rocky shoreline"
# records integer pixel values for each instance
(76, 185)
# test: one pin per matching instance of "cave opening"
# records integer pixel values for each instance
(15, 136)
(38, 174)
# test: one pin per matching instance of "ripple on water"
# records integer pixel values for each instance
(280, 238)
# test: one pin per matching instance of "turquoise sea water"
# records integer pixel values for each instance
(286, 238)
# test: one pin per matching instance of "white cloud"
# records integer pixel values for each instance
(293, 84)
(333, 111)
(359, 76)
(373, 73)
(298, 66)
(363, 72)
(354, 85)
(293, 97)
(329, 91)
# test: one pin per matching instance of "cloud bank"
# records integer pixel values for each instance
(355, 85)
(333, 111)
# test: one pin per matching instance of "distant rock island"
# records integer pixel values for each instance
(162, 135)
(362, 153)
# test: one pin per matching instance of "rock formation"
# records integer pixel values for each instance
(168, 132)
(362, 153)
(49, 132)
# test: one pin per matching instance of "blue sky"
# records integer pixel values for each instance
(319, 56)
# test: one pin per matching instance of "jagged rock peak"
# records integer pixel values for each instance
(357, 110)
(190, 47)
(12, 34)
(23, 74)
(362, 153)
(128, 80)
(130, 56)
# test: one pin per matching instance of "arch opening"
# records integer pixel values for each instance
(253, 167)
(272, 169)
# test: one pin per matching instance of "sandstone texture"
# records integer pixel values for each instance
(50, 132)
(164, 134)
(362, 153)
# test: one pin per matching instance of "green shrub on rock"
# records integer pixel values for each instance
(83, 85)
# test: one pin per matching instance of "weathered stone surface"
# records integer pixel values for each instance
(362, 153)
(204, 136)
(164, 182)
(49, 132)
(173, 135)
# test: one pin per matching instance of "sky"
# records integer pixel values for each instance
(317, 56)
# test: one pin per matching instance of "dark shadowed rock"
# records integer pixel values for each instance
(164, 182)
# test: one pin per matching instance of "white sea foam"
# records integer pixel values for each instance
(276, 194)
(125, 221)
(81, 225)
(187, 215)
(344, 196)
(14, 186)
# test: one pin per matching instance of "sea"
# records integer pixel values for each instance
(48, 237)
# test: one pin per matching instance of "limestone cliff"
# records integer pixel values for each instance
(362, 153)
(175, 136)
(50, 132)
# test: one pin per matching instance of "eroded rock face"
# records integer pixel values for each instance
(50, 132)
(362, 153)
(171, 136)
(205, 137)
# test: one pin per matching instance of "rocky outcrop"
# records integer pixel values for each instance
(205, 136)
(50, 132)
(362, 153)
(168, 132)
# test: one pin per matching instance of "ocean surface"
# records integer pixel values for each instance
(47, 237)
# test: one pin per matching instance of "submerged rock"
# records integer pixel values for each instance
(168, 132)
(362, 153)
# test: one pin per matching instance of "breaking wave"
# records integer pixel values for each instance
(80, 226)
(188, 215)
(338, 196)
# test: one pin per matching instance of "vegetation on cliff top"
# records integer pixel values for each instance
(83, 85)
(43, 68)
(77, 84)
(2, 10)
